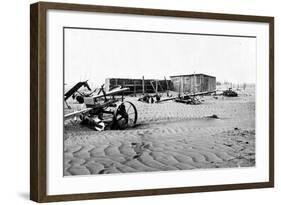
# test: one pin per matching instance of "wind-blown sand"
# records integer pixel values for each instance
(169, 136)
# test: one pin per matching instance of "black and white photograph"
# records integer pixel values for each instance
(136, 101)
(151, 101)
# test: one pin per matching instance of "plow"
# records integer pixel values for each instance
(191, 98)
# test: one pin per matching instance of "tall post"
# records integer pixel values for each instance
(200, 86)
(156, 86)
(123, 85)
(180, 86)
(135, 88)
(143, 89)
(194, 83)
(167, 86)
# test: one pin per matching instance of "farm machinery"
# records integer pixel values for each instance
(190, 98)
(104, 110)
(229, 93)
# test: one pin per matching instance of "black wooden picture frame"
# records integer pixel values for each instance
(38, 104)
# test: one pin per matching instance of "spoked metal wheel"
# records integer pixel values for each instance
(125, 116)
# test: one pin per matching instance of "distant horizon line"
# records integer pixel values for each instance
(93, 82)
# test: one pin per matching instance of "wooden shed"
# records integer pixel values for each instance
(139, 85)
(193, 83)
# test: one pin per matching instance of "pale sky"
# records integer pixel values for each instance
(96, 54)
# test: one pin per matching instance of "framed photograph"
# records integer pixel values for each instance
(133, 102)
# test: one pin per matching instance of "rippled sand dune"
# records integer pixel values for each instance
(169, 136)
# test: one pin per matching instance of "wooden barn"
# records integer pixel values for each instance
(193, 83)
(139, 85)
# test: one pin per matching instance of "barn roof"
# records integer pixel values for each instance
(192, 75)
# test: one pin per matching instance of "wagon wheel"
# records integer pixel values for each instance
(125, 116)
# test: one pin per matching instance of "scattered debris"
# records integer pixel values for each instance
(213, 116)
(189, 98)
(193, 100)
(150, 98)
(73, 91)
(229, 93)
(139, 148)
(228, 145)
(94, 123)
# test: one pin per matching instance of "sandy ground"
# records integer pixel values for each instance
(169, 136)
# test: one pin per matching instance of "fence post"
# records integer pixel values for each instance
(135, 88)
(143, 89)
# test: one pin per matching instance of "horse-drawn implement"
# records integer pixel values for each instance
(105, 110)
(190, 98)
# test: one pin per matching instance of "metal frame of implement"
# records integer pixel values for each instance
(113, 112)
